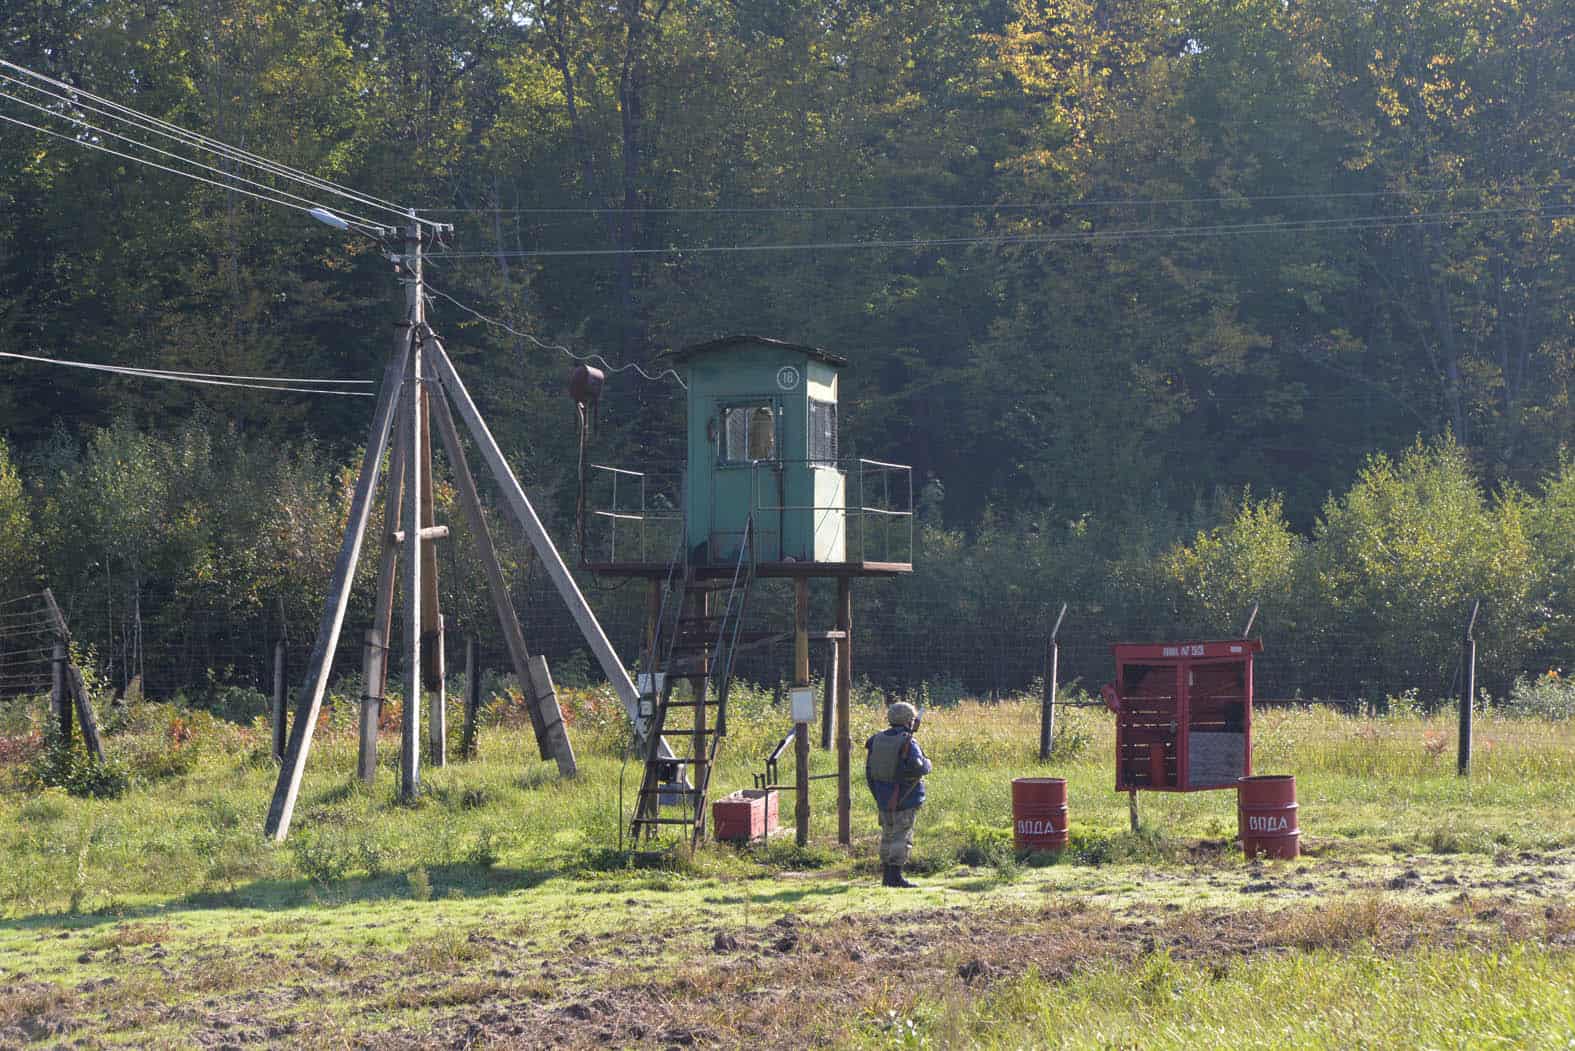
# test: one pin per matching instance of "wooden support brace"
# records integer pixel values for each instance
(383, 604)
(552, 738)
(428, 533)
(75, 687)
(282, 807)
(519, 504)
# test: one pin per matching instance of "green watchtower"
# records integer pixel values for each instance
(764, 491)
(763, 453)
(763, 445)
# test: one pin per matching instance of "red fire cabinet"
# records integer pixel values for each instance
(1183, 714)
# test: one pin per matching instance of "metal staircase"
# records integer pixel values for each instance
(697, 636)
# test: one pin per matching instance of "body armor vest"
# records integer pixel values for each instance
(884, 762)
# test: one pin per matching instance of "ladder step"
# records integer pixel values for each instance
(663, 821)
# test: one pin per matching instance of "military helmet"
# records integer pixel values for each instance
(901, 714)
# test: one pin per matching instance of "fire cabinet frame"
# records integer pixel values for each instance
(1139, 726)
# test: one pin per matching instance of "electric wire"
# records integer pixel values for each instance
(1086, 236)
(175, 131)
(592, 358)
(175, 377)
(78, 122)
(1109, 202)
(374, 230)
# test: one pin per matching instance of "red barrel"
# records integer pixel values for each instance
(1039, 813)
(1266, 816)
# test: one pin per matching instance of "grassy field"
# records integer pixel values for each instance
(1427, 911)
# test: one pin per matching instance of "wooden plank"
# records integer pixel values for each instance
(282, 807)
(525, 514)
(487, 554)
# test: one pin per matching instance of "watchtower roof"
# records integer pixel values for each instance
(714, 346)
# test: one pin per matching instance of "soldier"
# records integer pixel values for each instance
(895, 768)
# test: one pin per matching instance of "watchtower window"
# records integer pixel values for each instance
(822, 431)
(749, 432)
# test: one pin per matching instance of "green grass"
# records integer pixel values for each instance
(1521, 996)
(501, 858)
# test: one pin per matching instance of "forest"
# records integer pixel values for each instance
(1173, 305)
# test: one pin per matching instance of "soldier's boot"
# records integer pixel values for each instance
(894, 877)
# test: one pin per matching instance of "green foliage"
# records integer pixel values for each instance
(18, 542)
(66, 765)
(1547, 696)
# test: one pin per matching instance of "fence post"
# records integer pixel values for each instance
(280, 692)
(374, 682)
(1052, 667)
(59, 701)
(467, 743)
(1468, 689)
(829, 701)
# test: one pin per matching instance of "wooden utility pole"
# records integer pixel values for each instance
(801, 727)
(1468, 689)
(420, 377)
(844, 646)
(433, 670)
(1052, 672)
(414, 519)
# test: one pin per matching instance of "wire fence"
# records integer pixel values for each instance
(906, 642)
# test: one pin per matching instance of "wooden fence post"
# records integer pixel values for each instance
(59, 700)
(1052, 671)
(467, 744)
(280, 693)
(1468, 689)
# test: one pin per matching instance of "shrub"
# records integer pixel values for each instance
(62, 766)
(1548, 696)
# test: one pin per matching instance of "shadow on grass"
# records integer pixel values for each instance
(455, 882)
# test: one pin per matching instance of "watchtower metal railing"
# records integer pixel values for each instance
(637, 516)
(885, 500)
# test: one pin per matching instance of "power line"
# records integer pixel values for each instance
(206, 379)
(1112, 236)
(593, 358)
(360, 220)
(173, 171)
(175, 131)
(1113, 202)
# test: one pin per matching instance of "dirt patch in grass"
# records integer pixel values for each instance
(782, 980)
(793, 984)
